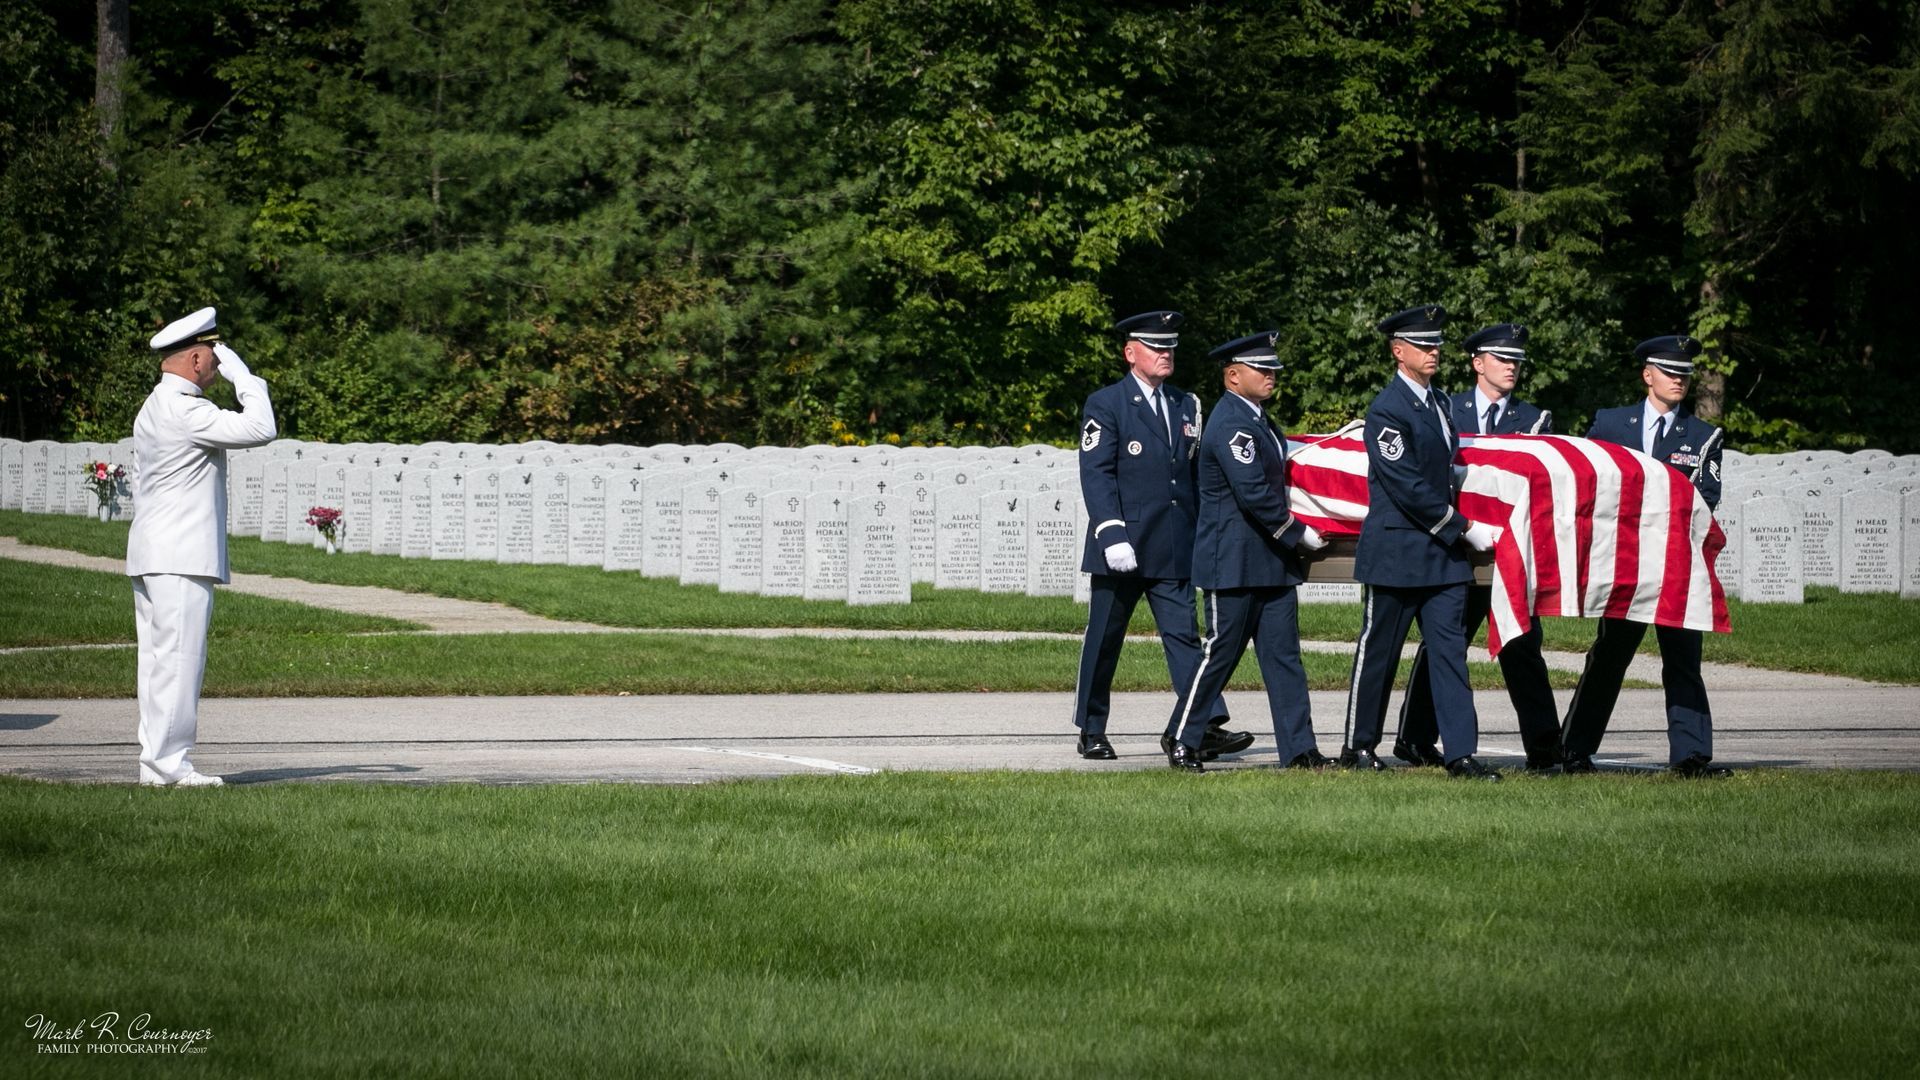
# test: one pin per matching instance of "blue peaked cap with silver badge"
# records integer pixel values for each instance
(199, 328)
(1672, 353)
(1506, 340)
(1254, 350)
(1419, 325)
(1158, 329)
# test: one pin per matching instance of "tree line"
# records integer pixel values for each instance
(794, 220)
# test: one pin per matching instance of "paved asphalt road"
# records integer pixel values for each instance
(694, 739)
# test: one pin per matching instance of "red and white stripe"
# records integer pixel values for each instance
(1589, 529)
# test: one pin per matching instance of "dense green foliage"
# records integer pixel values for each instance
(614, 220)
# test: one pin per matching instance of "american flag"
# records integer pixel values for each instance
(1589, 529)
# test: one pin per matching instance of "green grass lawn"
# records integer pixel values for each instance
(1142, 924)
(1870, 637)
(270, 648)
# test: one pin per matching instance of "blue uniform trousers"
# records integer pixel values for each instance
(1524, 670)
(1388, 611)
(1113, 601)
(1270, 617)
(1689, 720)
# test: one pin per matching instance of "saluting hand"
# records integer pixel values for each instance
(232, 368)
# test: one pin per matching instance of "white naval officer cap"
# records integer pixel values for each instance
(198, 328)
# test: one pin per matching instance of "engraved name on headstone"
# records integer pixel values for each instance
(331, 492)
(356, 510)
(783, 543)
(742, 521)
(303, 494)
(1771, 563)
(1820, 534)
(1053, 544)
(1003, 540)
(922, 527)
(956, 538)
(449, 523)
(388, 500)
(1870, 542)
(826, 560)
(246, 493)
(625, 532)
(879, 563)
(700, 532)
(519, 514)
(275, 488)
(416, 513)
(587, 488)
(660, 554)
(1910, 544)
(481, 519)
(550, 517)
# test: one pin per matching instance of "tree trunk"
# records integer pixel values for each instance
(109, 69)
(1710, 378)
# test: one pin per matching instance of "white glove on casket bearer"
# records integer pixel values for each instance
(1120, 558)
(232, 368)
(1481, 537)
(1311, 539)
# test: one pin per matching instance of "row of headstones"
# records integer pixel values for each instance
(49, 477)
(1851, 518)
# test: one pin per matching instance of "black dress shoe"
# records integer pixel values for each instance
(1219, 741)
(1418, 753)
(1700, 767)
(1467, 768)
(1361, 759)
(1578, 763)
(1096, 748)
(1185, 758)
(1545, 763)
(1312, 759)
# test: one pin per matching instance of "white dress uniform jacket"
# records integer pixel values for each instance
(180, 444)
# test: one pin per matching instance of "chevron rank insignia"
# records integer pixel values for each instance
(1242, 446)
(1391, 444)
(1090, 435)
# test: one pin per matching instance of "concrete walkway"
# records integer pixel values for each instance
(674, 739)
(445, 615)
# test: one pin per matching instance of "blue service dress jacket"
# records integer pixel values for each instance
(1690, 445)
(1516, 417)
(1138, 487)
(1411, 535)
(1246, 536)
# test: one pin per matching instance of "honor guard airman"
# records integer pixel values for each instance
(1246, 562)
(1412, 557)
(177, 550)
(1137, 443)
(1660, 427)
(1497, 353)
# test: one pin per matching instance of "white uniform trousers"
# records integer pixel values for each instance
(170, 616)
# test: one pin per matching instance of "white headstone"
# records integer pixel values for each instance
(587, 488)
(625, 531)
(12, 472)
(1910, 544)
(1328, 592)
(246, 492)
(660, 552)
(519, 513)
(356, 510)
(1771, 567)
(922, 526)
(1820, 532)
(1870, 542)
(742, 515)
(388, 507)
(1053, 544)
(330, 492)
(303, 494)
(416, 512)
(700, 532)
(550, 515)
(879, 561)
(1003, 540)
(277, 492)
(449, 525)
(36, 476)
(956, 538)
(79, 494)
(482, 515)
(826, 561)
(783, 543)
(1729, 516)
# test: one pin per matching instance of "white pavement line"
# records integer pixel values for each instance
(817, 763)
(61, 648)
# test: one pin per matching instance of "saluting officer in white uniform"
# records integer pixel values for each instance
(177, 550)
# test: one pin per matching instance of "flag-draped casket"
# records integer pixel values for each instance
(1589, 528)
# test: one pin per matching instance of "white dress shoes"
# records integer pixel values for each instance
(192, 779)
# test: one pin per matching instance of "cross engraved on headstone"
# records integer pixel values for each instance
(713, 493)
(493, 479)
(836, 504)
(880, 506)
(724, 477)
(598, 480)
(753, 500)
(882, 487)
(634, 484)
(920, 494)
(298, 452)
(793, 506)
(456, 479)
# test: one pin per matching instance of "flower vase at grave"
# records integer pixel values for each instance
(105, 512)
(330, 548)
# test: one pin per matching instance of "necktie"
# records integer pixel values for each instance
(1486, 422)
(1659, 430)
(1160, 406)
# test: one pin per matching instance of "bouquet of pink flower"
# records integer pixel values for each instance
(103, 478)
(326, 519)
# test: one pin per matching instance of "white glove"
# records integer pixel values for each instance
(232, 368)
(1120, 558)
(1311, 539)
(1481, 537)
